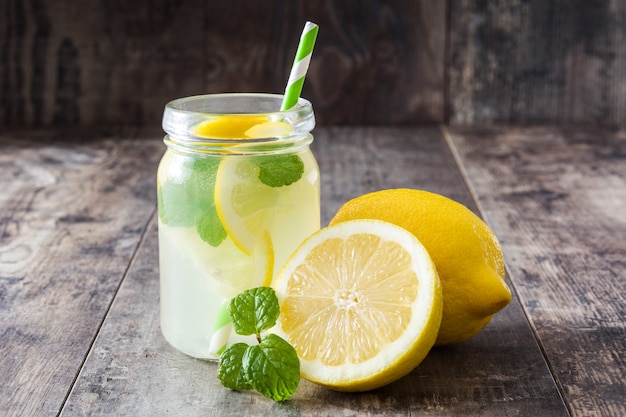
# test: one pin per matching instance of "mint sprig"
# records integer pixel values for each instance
(272, 366)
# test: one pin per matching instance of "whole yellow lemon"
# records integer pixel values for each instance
(465, 251)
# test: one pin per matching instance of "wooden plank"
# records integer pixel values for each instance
(94, 63)
(556, 197)
(71, 218)
(132, 370)
(537, 61)
(98, 63)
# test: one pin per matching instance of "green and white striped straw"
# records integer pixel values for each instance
(223, 325)
(300, 66)
(221, 331)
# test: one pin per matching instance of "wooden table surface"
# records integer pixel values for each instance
(79, 288)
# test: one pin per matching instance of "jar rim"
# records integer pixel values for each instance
(182, 118)
(186, 104)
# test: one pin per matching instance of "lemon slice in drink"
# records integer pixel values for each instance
(361, 303)
(229, 126)
(268, 129)
(227, 269)
(243, 203)
(242, 126)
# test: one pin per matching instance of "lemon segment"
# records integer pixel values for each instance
(465, 250)
(361, 303)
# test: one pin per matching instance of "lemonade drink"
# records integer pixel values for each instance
(238, 191)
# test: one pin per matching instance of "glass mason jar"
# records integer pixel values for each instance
(238, 191)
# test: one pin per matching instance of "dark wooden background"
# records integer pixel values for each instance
(396, 62)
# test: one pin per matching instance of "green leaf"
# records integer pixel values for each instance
(171, 211)
(280, 170)
(230, 369)
(207, 165)
(254, 310)
(272, 368)
(189, 200)
(210, 228)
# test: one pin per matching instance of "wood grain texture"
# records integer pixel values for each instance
(66, 63)
(376, 62)
(522, 61)
(132, 371)
(556, 197)
(71, 218)
(94, 63)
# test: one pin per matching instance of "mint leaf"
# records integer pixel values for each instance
(187, 198)
(171, 211)
(210, 228)
(254, 310)
(230, 369)
(280, 170)
(207, 165)
(272, 368)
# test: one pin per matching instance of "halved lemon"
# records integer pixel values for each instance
(361, 303)
(465, 250)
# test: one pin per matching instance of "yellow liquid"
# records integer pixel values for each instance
(263, 225)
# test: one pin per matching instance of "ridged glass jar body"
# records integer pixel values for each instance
(231, 209)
